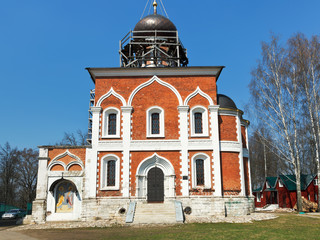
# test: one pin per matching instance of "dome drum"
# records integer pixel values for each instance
(154, 42)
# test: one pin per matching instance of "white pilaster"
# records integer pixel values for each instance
(249, 168)
(42, 181)
(242, 179)
(214, 121)
(91, 167)
(183, 116)
(126, 135)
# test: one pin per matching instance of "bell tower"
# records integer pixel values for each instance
(154, 42)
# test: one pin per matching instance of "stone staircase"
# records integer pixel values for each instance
(155, 213)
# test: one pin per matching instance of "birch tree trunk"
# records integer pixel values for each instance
(277, 101)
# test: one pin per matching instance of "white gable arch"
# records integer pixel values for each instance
(158, 80)
(155, 161)
(108, 94)
(198, 91)
(66, 153)
(142, 172)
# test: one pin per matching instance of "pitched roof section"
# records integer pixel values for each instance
(272, 181)
(290, 181)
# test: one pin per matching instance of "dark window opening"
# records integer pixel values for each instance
(111, 173)
(200, 172)
(112, 124)
(155, 128)
(198, 122)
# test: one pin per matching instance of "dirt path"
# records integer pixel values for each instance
(6, 235)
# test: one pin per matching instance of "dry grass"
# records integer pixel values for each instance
(287, 226)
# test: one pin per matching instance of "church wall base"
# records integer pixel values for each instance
(105, 209)
(39, 211)
(114, 210)
(206, 208)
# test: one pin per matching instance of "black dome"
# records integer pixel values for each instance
(155, 22)
(226, 102)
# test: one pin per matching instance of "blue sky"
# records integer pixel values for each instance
(45, 47)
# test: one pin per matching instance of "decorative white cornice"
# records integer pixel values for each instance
(158, 80)
(177, 71)
(198, 91)
(108, 94)
(213, 108)
(96, 109)
(183, 108)
(127, 109)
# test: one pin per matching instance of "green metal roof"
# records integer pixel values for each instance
(290, 181)
(272, 181)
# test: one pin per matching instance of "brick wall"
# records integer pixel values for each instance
(108, 193)
(200, 191)
(155, 95)
(230, 170)
(138, 157)
(227, 128)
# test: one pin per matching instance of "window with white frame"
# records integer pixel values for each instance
(155, 122)
(280, 183)
(199, 121)
(110, 173)
(201, 171)
(258, 197)
(111, 123)
(315, 182)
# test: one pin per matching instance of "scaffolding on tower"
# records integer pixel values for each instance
(91, 104)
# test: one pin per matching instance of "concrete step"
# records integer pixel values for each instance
(154, 213)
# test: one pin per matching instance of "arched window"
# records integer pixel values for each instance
(155, 122)
(200, 172)
(110, 172)
(155, 128)
(199, 122)
(111, 123)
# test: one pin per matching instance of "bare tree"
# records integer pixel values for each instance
(27, 169)
(277, 98)
(304, 57)
(74, 139)
(8, 173)
(264, 162)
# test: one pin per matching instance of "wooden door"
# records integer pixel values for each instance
(155, 185)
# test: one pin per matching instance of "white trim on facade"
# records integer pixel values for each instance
(198, 91)
(76, 180)
(214, 121)
(204, 112)
(142, 172)
(103, 175)
(184, 133)
(105, 122)
(55, 161)
(108, 94)
(207, 170)
(158, 80)
(150, 111)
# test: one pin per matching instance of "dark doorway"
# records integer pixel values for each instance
(155, 185)
(284, 200)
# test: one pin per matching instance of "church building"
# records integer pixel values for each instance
(162, 142)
